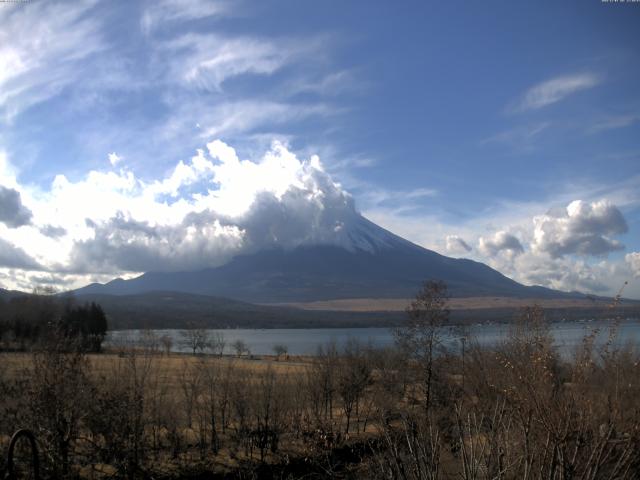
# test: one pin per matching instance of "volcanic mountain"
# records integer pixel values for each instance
(360, 260)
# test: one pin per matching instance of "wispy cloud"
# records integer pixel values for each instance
(41, 47)
(553, 90)
(228, 119)
(206, 61)
(331, 84)
(162, 12)
(520, 138)
(614, 122)
(375, 197)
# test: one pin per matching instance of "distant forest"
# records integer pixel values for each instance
(33, 319)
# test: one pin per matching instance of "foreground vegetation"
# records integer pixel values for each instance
(515, 411)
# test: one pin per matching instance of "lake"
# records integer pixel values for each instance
(306, 341)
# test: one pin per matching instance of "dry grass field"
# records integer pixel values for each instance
(171, 366)
(516, 410)
(468, 303)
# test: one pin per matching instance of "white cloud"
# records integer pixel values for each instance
(161, 12)
(201, 214)
(526, 260)
(500, 242)
(519, 138)
(205, 61)
(582, 228)
(556, 89)
(331, 84)
(123, 244)
(560, 274)
(614, 122)
(372, 194)
(216, 205)
(246, 206)
(456, 245)
(227, 119)
(633, 260)
(114, 158)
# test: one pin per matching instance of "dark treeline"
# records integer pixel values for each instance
(417, 411)
(29, 320)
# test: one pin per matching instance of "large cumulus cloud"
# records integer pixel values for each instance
(125, 244)
(566, 274)
(564, 249)
(219, 206)
(582, 228)
(201, 214)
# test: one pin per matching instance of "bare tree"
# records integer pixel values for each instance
(196, 339)
(217, 343)
(59, 397)
(420, 335)
(212, 389)
(149, 341)
(167, 343)
(190, 385)
(240, 347)
(268, 412)
(321, 383)
(119, 417)
(354, 376)
(280, 350)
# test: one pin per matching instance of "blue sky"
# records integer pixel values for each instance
(506, 132)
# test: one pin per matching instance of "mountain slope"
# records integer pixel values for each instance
(7, 295)
(365, 261)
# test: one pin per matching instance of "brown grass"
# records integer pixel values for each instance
(467, 303)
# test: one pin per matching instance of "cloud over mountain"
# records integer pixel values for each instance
(207, 210)
(204, 212)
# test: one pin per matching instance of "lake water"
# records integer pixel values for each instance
(567, 335)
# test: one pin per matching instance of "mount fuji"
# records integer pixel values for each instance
(359, 259)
